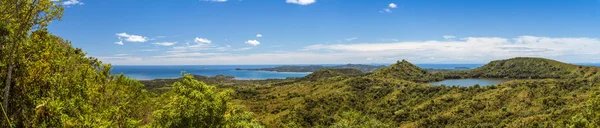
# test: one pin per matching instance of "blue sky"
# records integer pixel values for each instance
(190, 32)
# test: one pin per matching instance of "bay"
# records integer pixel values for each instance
(149, 72)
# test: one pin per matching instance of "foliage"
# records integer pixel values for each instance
(404, 70)
(332, 72)
(57, 85)
(524, 67)
(354, 119)
(194, 104)
(49, 83)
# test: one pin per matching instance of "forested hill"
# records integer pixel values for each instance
(388, 98)
(534, 68)
(332, 72)
(404, 70)
(313, 68)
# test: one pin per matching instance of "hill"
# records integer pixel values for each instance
(388, 98)
(361, 67)
(392, 97)
(332, 72)
(527, 67)
(404, 70)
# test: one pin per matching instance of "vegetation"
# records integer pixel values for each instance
(49, 83)
(313, 68)
(404, 70)
(523, 67)
(194, 104)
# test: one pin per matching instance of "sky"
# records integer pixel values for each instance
(231, 32)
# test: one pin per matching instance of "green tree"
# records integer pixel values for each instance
(20, 18)
(192, 103)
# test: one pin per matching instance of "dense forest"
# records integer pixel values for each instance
(49, 83)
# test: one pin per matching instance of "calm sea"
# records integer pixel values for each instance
(154, 72)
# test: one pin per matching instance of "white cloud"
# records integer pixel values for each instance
(131, 38)
(243, 49)
(351, 39)
(215, 0)
(119, 42)
(165, 43)
(72, 2)
(300, 2)
(392, 5)
(202, 40)
(449, 37)
(252, 42)
(259, 35)
(121, 54)
(189, 54)
(389, 8)
(478, 49)
(193, 50)
(463, 50)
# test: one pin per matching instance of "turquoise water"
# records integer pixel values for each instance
(174, 71)
(154, 72)
(469, 82)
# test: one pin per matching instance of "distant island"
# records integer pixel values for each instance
(313, 68)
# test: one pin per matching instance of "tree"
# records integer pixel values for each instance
(21, 17)
(192, 103)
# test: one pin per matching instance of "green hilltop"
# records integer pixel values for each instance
(526, 67)
(404, 70)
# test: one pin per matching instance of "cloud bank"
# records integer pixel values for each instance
(301, 2)
(460, 50)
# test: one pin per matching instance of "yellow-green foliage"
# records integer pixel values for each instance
(400, 103)
(525, 67)
(325, 73)
(191, 103)
(56, 85)
(404, 70)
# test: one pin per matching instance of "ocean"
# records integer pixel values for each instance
(155, 72)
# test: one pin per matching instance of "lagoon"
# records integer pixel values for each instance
(470, 82)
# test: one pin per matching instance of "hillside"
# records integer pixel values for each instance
(347, 97)
(404, 70)
(332, 72)
(526, 67)
(361, 67)
(370, 101)
(386, 99)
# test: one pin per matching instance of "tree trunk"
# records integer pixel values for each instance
(7, 87)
